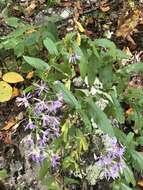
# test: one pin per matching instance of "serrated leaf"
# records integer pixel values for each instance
(5, 91)
(51, 46)
(36, 63)
(12, 77)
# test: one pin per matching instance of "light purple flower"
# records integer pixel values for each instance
(50, 121)
(74, 58)
(23, 100)
(30, 125)
(42, 87)
(55, 160)
(43, 139)
(37, 157)
(46, 120)
(105, 160)
(54, 106)
(30, 142)
(111, 162)
(40, 106)
(112, 146)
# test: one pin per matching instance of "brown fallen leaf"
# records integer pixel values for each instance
(15, 92)
(140, 183)
(7, 138)
(104, 7)
(129, 111)
(31, 8)
(128, 26)
(9, 124)
(30, 75)
(13, 122)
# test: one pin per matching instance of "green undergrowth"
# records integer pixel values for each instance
(95, 90)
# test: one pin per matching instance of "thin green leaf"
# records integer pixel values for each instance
(36, 63)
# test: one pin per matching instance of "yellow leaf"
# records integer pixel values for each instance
(68, 84)
(12, 77)
(5, 91)
(31, 31)
(30, 75)
(78, 39)
(79, 26)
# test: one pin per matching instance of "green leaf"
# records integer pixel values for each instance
(119, 113)
(85, 119)
(51, 183)
(51, 46)
(83, 145)
(105, 43)
(43, 170)
(125, 187)
(36, 63)
(68, 180)
(3, 174)
(64, 130)
(68, 96)
(13, 21)
(137, 159)
(100, 118)
(129, 176)
(132, 68)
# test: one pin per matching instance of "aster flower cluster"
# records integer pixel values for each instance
(111, 162)
(44, 122)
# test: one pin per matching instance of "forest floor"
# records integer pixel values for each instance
(118, 20)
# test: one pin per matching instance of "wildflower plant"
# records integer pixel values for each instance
(43, 122)
(73, 137)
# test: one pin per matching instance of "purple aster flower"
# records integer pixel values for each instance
(50, 121)
(40, 106)
(111, 163)
(74, 58)
(23, 100)
(30, 142)
(43, 139)
(105, 160)
(37, 157)
(42, 87)
(113, 147)
(114, 171)
(55, 160)
(54, 106)
(46, 120)
(30, 125)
